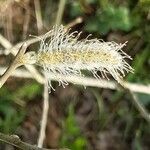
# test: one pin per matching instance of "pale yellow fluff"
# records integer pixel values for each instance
(64, 54)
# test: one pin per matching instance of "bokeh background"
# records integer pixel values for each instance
(79, 118)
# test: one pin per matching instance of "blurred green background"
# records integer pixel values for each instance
(79, 119)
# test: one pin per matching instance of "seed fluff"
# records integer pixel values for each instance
(65, 54)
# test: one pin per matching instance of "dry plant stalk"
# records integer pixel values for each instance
(21, 58)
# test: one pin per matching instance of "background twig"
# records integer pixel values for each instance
(14, 140)
(4, 42)
(16, 63)
(60, 11)
(38, 15)
(44, 115)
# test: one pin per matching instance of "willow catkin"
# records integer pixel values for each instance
(65, 55)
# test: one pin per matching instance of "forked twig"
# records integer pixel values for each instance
(18, 61)
(14, 49)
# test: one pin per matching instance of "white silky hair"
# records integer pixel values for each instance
(65, 54)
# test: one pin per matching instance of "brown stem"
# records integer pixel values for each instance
(14, 140)
(18, 61)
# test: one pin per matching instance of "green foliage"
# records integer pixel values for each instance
(75, 9)
(139, 63)
(145, 99)
(111, 18)
(12, 115)
(28, 91)
(72, 137)
(11, 118)
(144, 5)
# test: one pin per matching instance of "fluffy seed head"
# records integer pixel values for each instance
(64, 54)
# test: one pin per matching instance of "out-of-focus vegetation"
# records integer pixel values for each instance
(71, 134)
(92, 118)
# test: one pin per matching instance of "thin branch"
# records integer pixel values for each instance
(26, 20)
(14, 140)
(60, 11)
(10, 48)
(20, 73)
(5, 42)
(44, 115)
(16, 63)
(144, 113)
(38, 15)
(9, 24)
(14, 50)
(86, 81)
(35, 74)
